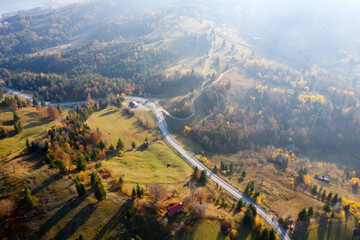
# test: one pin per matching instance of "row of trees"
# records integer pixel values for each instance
(321, 194)
(252, 191)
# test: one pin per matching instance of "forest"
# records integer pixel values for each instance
(94, 70)
(285, 108)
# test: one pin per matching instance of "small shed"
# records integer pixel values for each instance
(323, 178)
(133, 104)
(175, 209)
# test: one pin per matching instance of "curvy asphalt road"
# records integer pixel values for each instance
(270, 219)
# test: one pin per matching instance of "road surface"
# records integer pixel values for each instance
(270, 219)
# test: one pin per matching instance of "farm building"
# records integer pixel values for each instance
(133, 104)
(175, 209)
(323, 178)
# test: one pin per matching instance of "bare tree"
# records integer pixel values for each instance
(199, 195)
(7, 207)
(157, 193)
(187, 200)
(198, 211)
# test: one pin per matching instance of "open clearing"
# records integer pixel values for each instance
(158, 163)
(34, 126)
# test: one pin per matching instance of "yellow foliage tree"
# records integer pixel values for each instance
(187, 130)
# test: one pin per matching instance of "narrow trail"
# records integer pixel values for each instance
(203, 86)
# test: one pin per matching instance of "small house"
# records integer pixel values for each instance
(323, 178)
(175, 209)
(133, 104)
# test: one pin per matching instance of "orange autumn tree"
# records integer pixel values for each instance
(52, 113)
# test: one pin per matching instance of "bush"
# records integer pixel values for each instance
(80, 188)
(29, 200)
(7, 207)
(60, 164)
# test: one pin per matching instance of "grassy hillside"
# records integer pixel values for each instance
(158, 163)
(114, 125)
(34, 126)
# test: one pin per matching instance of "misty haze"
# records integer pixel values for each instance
(193, 119)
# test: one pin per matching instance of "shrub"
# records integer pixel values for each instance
(29, 200)
(80, 188)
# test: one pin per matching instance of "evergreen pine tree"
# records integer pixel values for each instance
(29, 200)
(120, 145)
(80, 188)
(203, 177)
(240, 205)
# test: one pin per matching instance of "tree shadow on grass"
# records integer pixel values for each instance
(60, 214)
(220, 236)
(115, 220)
(8, 123)
(244, 232)
(45, 184)
(338, 228)
(78, 220)
(323, 225)
(329, 230)
(301, 230)
(108, 113)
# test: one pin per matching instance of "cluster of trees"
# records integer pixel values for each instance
(200, 176)
(73, 142)
(14, 102)
(250, 220)
(306, 215)
(182, 109)
(225, 169)
(72, 76)
(137, 192)
(323, 196)
(215, 99)
(314, 110)
(252, 191)
(273, 117)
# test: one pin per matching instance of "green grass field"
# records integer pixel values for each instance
(158, 163)
(114, 125)
(210, 229)
(34, 127)
(331, 229)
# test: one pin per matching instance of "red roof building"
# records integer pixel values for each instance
(175, 209)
